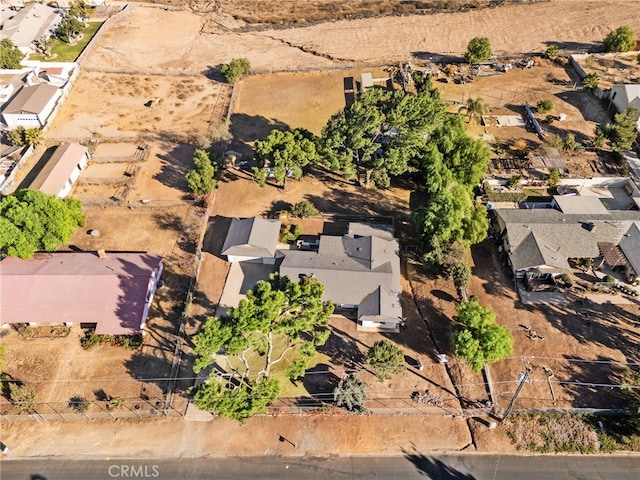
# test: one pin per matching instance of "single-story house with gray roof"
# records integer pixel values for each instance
(360, 272)
(538, 243)
(252, 240)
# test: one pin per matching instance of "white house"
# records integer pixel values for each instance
(62, 170)
(625, 96)
(32, 106)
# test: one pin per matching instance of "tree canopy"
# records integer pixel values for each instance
(285, 153)
(202, 179)
(478, 50)
(622, 39)
(31, 221)
(623, 131)
(380, 135)
(235, 69)
(591, 81)
(350, 393)
(385, 358)
(476, 337)
(278, 321)
(10, 55)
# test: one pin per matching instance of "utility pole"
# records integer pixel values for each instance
(523, 379)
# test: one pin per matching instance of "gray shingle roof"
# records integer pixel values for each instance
(31, 99)
(380, 305)
(630, 246)
(549, 237)
(349, 268)
(252, 237)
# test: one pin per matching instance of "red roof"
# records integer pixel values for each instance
(80, 288)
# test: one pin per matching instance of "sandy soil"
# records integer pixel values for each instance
(573, 24)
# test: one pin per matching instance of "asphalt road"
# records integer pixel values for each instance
(442, 467)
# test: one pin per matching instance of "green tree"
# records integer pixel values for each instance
(544, 106)
(571, 144)
(591, 81)
(33, 136)
(350, 393)
(475, 108)
(622, 39)
(31, 221)
(285, 153)
(554, 177)
(381, 135)
(23, 397)
(478, 50)
(623, 131)
(10, 55)
(552, 52)
(80, 10)
(235, 69)
(239, 403)
(304, 209)
(45, 44)
(385, 359)
(278, 321)
(477, 338)
(69, 28)
(202, 180)
(15, 136)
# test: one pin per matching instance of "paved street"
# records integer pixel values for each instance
(462, 467)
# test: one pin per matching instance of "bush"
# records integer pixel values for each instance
(114, 403)
(514, 181)
(385, 358)
(478, 50)
(622, 39)
(552, 52)
(79, 404)
(566, 278)
(22, 397)
(304, 209)
(289, 233)
(235, 69)
(350, 393)
(202, 180)
(609, 279)
(544, 106)
(554, 140)
(130, 342)
(554, 177)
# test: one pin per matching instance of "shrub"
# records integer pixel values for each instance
(385, 358)
(554, 140)
(114, 403)
(350, 393)
(554, 177)
(566, 278)
(571, 144)
(478, 50)
(289, 233)
(609, 279)
(514, 181)
(79, 404)
(304, 209)
(544, 106)
(22, 397)
(622, 39)
(552, 52)
(235, 69)
(130, 342)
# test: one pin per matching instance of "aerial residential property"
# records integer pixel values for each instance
(379, 237)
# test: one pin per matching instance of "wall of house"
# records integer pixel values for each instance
(27, 120)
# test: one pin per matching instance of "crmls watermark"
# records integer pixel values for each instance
(134, 471)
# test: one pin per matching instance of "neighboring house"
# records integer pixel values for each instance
(252, 240)
(110, 292)
(625, 96)
(539, 243)
(62, 170)
(30, 24)
(359, 270)
(32, 106)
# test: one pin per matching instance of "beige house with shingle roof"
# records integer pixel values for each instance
(32, 106)
(62, 170)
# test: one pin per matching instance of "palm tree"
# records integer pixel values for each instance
(33, 136)
(475, 107)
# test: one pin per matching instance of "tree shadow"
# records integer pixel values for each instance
(246, 129)
(171, 221)
(37, 168)
(576, 47)
(343, 349)
(320, 382)
(217, 230)
(276, 207)
(587, 104)
(490, 269)
(174, 165)
(437, 57)
(436, 469)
